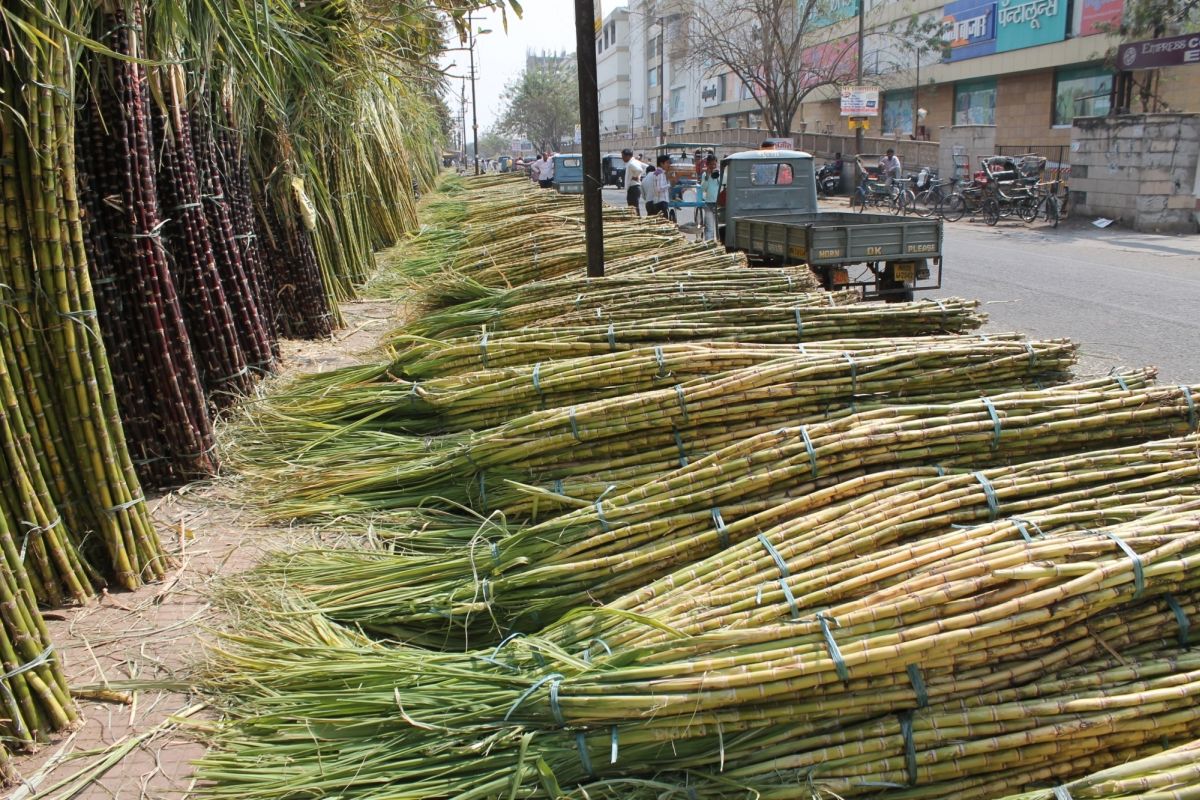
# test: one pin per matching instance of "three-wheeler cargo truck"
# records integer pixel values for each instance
(767, 208)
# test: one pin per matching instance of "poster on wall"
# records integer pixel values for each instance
(1099, 15)
(970, 27)
(1028, 23)
(830, 12)
(830, 62)
(860, 101)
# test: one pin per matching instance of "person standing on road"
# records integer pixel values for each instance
(660, 182)
(535, 169)
(546, 177)
(889, 167)
(634, 171)
(710, 190)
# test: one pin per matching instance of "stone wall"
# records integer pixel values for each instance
(1139, 169)
(973, 141)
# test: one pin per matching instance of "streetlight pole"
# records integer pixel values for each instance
(474, 105)
(589, 134)
(858, 77)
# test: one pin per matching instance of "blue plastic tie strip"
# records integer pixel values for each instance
(574, 426)
(495, 548)
(578, 299)
(483, 349)
(1121, 382)
(612, 753)
(839, 663)
(584, 759)
(683, 459)
(662, 363)
(483, 490)
(483, 589)
(910, 747)
(555, 708)
(942, 307)
(558, 487)
(808, 445)
(990, 493)
(553, 676)
(1062, 793)
(612, 337)
(803, 350)
(1191, 403)
(783, 575)
(799, 324)
(918, 684)
(600, 510)
(941, 471)
(1023, 526)
(1139, 574)
(537, 382)
(991, 409)
(722, 531)
(587, 651)
(1032, 355)
(1181, 618)
(853, 374)
(682, 404)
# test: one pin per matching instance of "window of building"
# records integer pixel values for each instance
(754, 119)
(733, 121)
(975, 102)
(652, 77)
(771, 174)
(1081, 92)
(676, 127)
(676, 102)
(897, 112)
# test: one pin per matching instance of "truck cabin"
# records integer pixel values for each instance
(568, 173)
(761, 183)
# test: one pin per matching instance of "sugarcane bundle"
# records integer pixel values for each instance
(523, 579)
(418, 357)
(371, 397)
(1014, 639)
(1172, 774)
(170, 428)
(625, 441)
(567, 302)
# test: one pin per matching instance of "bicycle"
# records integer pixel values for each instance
(1043, 203)
(927, 202)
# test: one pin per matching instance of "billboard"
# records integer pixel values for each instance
(1099, 14)
(831, 12)
(970, 28)
(982, 27)
(860, 101)
(1173, 51)
(1028, 23)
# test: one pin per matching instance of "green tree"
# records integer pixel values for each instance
(492, 143)
(1152, 19)
(542, 104)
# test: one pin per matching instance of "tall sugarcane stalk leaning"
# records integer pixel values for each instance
(526, 578)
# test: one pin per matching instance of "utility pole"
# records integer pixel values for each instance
(858, 77)
(462, 115)
(589, 132)
(474, 105)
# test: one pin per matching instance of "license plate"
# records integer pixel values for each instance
(570, 188)
(906, 272)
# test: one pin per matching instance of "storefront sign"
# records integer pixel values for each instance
(829, 62)
(1173, 51)
(782, 143)
(712, 92)
(1028, 23)
(1099, 15)
(833, 11)
(970, 28)
(860, 101)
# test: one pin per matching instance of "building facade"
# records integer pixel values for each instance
(1028, 67)
(613, 74)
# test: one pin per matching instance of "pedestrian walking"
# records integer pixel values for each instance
(634, 171)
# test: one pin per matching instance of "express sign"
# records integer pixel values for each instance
(1172, 51)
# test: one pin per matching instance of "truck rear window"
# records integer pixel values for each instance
(571, 162)
(771, 174)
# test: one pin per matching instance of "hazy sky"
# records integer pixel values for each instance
(500, 56)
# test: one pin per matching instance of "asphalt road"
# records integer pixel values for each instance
(1127, 299)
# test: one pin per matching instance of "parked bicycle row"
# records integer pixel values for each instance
(1003, 187)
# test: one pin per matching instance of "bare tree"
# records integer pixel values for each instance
(782, 50)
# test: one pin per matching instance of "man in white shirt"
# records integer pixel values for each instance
(889, 167)
(634, 170)
(657, 187)
(546, 178)
(535, 170)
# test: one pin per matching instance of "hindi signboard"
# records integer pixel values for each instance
(1172, 51)
(860, 101)
(970, 27)
(1028, 23)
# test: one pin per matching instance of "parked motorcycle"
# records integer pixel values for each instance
(829, 179)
